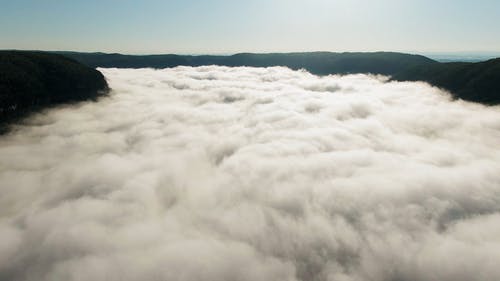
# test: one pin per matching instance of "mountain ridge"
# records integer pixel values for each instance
(321, 63)
(477, 82)
(464, 80)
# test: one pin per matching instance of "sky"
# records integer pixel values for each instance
(230, 26)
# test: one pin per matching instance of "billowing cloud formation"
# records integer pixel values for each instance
(216, 173)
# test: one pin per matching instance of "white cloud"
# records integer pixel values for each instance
(217, 173)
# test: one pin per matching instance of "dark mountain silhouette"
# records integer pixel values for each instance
(479, 82)
(34, 80)
(320, 63)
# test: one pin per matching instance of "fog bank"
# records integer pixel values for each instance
(218, 173)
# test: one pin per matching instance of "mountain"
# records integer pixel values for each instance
(33, 80)
(30, 79)
(478, 82)
(320, 63)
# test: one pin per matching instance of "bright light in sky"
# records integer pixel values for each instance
(228, 26)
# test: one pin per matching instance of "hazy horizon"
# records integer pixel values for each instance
(438, 56)
(424, 53)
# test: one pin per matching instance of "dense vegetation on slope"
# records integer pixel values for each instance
(32, 80)
(317, 62)
(479, 82)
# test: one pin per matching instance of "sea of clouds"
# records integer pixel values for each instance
(253, 174)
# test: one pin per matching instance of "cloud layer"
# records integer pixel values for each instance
(217, 173)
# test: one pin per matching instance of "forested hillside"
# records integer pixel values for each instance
(321, 63)
(33, 80)
(479, 82)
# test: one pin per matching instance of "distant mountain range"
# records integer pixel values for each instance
(461, 56)
(478, 82)
(30, 80)
(320, 63)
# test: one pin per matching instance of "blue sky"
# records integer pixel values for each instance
(225, 26)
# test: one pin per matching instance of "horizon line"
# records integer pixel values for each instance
(413, 52)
